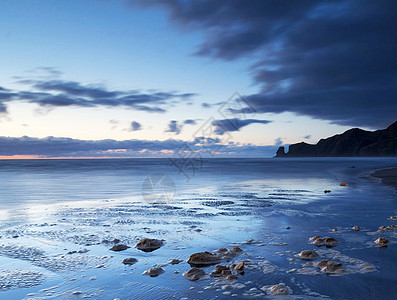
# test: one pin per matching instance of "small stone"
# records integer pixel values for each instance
(236, 250)
(382, 242)
(221, 271)
(356, 228)
(232, 277)
(149, 245)
(119, 247)
(280, 289)
(393, 218)
(391, 227)
(77, 293)
(308, 255)
(129, 261)
(239, 267)
(328, 266)
(153, 272)
(194, 274)
(328, 242)
(221, 250)
(335, 229)
(174, 261)
(92, 278)
(327, 191)
(287, 227)
(382, 228)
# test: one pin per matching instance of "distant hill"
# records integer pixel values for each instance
(353, 142)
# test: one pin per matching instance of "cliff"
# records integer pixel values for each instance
(353, 142)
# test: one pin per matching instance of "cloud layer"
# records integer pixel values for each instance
(330, 60)
(58, 93)
(67, 147)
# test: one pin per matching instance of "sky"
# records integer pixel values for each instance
(143, 78)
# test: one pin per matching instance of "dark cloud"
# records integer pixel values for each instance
(57, 93)
(330, 60)
(67, 147)
(206, 105)
(190, 122)
(135, 126)
(222, 126)
(173, 126)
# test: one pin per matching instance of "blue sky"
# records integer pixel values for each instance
(95, 70)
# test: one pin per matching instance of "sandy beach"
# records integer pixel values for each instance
(388, 176)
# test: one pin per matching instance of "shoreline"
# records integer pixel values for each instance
(387, 176)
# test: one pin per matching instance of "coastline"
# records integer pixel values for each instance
(387, 176)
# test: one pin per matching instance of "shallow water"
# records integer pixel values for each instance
(50, 208)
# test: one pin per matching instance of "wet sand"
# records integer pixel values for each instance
(388, 176)
(67, 250)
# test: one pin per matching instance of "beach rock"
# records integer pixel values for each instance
(393, 218)
(391, 227)
(328, 242)
(221, 271)
(221, 250)
(153, 272)
(119, 247)
(203, 259)
(308, 255)
(356, 228)
(239, 267)
(231, 253)
(327, 266)
(149, 245)
(130, 261)
(231, 277)
(382, 242)
(174, 261)
(277, 289)
(287, 227)
(382, 228)
(327, 191)
(194, 274)
(236, 250)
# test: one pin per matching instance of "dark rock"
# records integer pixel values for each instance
(328, 242)
(174, 261)
(130, 261)
(119, 247)
(149, 245)
(353, 142)
(154, 272)
(239, 268)
(280, 152)
(327, 191)
(279, 289)
(382, 242)
(308, 255)
(194, 274)
(328, 266)
(203, 259)
(221, 271)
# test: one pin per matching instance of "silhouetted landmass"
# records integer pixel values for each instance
(353, 142)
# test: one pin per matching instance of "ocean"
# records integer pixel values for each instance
(58, 219)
